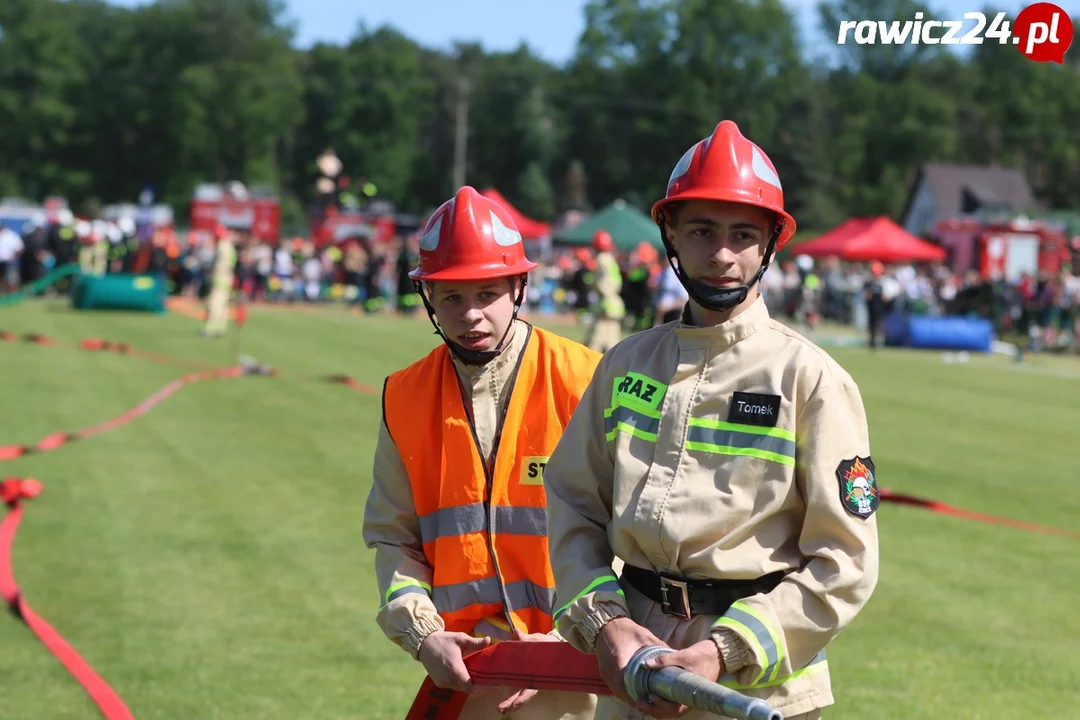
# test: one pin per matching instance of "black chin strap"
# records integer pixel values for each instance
(473, 357)
(708, 296)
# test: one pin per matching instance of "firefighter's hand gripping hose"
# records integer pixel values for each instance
(559, 666)
(693, 691)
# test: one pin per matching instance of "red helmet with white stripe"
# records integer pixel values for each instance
(725, 167)
(728, 167)
(470, 238)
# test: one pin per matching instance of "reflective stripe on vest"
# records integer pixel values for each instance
(486, 545)
(463, 519)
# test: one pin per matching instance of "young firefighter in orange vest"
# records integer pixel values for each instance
(457, 512)
(725, 460)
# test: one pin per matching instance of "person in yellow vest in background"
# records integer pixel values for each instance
(810, 298)
(63, 244)
(221, 283)
(606, 328)
(457, 510)
(93, 253)
(85, 233)
(99, 256)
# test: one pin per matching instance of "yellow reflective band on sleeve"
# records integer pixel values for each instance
(630, 422)
(766, 644)
(751, 638)
(818, 664)
(604, 583)
(635, 407)
(409, 586)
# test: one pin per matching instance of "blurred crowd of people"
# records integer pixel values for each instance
(1043, 308)
(1040, 311)
(373, 277)
(39, 246)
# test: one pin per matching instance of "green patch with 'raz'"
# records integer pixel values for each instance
(637, 390)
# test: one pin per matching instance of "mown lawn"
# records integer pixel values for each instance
(207, 558)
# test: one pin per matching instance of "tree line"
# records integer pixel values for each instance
(100, 101)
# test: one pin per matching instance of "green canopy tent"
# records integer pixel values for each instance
(629, 227)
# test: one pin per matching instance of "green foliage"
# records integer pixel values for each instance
(536, 193)
(99, 101)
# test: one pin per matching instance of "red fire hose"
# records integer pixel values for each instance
(514, 664)
(15, 491)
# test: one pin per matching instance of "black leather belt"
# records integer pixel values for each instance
(685, 598)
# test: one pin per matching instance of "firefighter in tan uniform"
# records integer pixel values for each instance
(93, 256)
(606, 327)
(221, 283)
(88, 239)
(725, 460)
(456, 513)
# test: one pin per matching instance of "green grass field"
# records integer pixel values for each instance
(207, 559)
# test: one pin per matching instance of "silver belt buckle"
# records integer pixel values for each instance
(674, 598)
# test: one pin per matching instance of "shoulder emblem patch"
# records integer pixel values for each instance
(859, 492)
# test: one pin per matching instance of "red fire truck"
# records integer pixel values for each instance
(335, 226)
(1003, 248)
(256, 211)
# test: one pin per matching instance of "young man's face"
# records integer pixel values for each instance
(474, 313)
(720, 243)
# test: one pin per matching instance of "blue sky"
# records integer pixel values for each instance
(550, 27)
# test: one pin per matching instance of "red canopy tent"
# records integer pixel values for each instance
(530, 229)
(867, 239)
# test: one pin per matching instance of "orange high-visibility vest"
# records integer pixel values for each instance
(486, 539)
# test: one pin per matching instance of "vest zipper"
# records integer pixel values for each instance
(489, 467)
